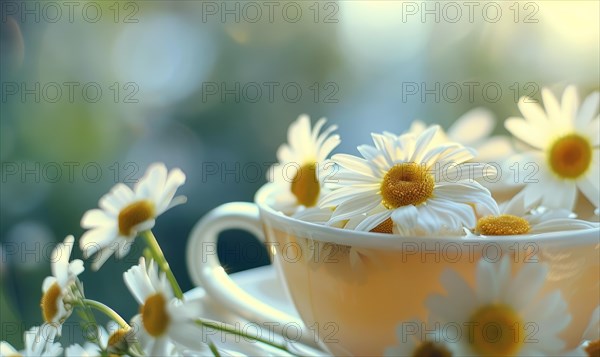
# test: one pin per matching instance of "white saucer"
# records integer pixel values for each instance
(263, 284)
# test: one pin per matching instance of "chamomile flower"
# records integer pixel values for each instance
(112, 341)
(87, 350)
(408, 185)
(473, 129)
(37, 344)
(125, 212)
(511, 306)
(564, 143)
(162, 319)
(303, 164)
(425, 342)
(517, 218)
(56, 288)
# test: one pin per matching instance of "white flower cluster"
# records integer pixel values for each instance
(420, 183)
(166, 325)
(427, 183)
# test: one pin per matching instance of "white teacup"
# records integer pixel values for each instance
(352, 289)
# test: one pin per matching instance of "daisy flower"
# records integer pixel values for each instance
(517, 218)
(424, 342)
(114, 341)
(162, 319)
(124, 213)
(36, 344)
(564, 143)
(407, 185)
(473, 129)
(56, 288)
(303, 164)
(498, 317)
(87, 350)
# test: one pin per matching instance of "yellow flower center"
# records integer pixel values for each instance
(570, 156)
(117, 341)
(305, 185)
(503, 225)
(154, 315)
(134, 214)
(497, 331)
(593, 349)
(406, 184)
(430, 349)
(384, 227)
(49, 302)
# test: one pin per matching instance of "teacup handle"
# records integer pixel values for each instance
(206, 271)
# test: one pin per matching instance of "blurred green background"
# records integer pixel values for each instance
(92, 92)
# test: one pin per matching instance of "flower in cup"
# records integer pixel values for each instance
(163, 319)
(517, 218)
(303, 164)
(418, 340)
(408, 185)
(125, 212)
(37, 344)
(564, 143)
(511, 306)
(473, 129)
(57, 288)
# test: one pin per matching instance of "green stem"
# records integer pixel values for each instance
(213, 349)
(106, 311)
(85, 313)
(221, 326)
(160, 259)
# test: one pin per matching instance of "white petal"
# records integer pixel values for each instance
(562, 224)
(526, 284)
(327, 147)
(593, 132)
(344, 194)
(406, 217)
(102, 257)
(160, 347)
(559, 194)
(175, 179)
(527, 133)
(153, 180)
(373, 221)
(60, 260)
(138, 282)
(423, 142)
(473, 126)
(76, 267)
(94, 218)
(494, 149)
(357, 164)
(97, 238)
(590, 184)
(487, 284)
(553, 110)
(356, 206)
(48, 282)
(569, 104)
(187, 335)
(119, 196)
(532, 112)
(587, 110)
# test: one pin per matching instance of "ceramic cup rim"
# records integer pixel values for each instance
(381, 240)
